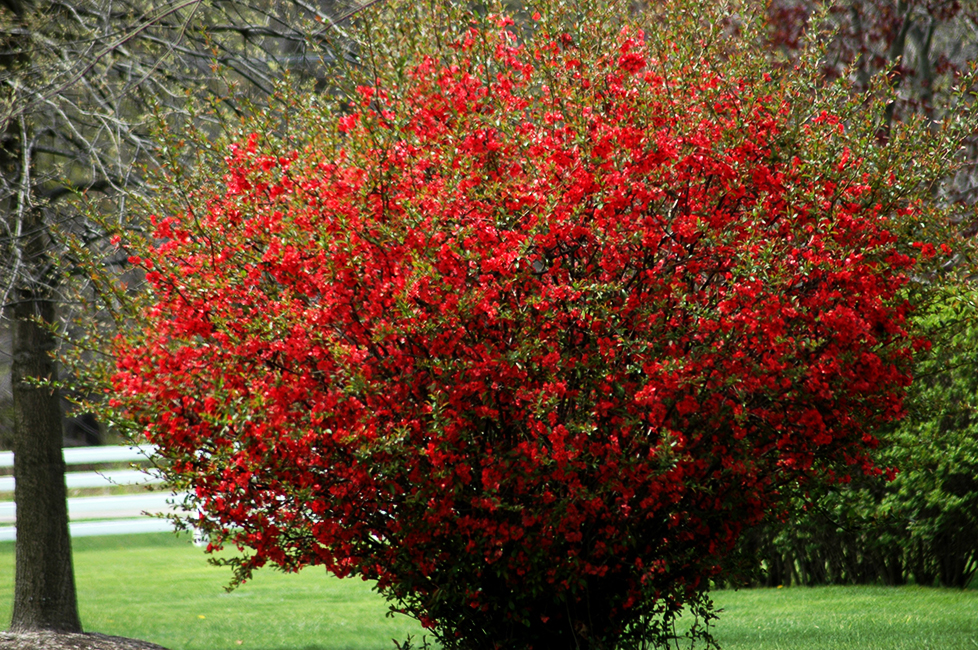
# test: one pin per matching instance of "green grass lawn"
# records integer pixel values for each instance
(848, 618)
(160, 588)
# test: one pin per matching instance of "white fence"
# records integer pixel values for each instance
(121, 514)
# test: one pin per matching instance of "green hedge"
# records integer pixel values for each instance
(920, 527)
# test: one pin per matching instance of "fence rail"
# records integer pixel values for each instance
(94, 455)
(120, 514)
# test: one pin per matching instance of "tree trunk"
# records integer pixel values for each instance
(44, 593)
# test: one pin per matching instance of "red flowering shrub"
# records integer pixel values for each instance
(532, 332)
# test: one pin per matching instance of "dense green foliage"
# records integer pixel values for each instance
(922, 526)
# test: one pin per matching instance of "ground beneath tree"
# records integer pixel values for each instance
(62, 641)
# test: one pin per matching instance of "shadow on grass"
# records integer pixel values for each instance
(415, 644)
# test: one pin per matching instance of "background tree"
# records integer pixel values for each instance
(44, 572)
(543, 323)
(82, 84)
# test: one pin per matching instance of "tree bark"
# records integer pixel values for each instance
(44, 591)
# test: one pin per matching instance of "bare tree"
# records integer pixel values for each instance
(82, 82)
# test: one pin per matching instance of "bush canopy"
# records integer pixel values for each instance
(533, 323)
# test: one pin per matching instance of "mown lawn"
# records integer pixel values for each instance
(160, 588)
(848, 618)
